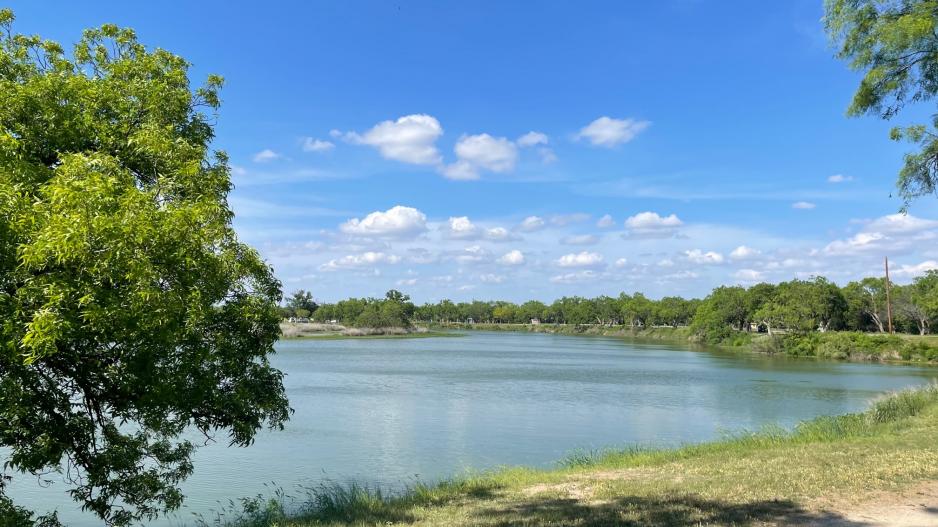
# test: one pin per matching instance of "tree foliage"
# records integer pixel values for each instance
(129, 310)
(895, 44)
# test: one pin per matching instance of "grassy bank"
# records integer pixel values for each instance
(840, 345)
(816, 474)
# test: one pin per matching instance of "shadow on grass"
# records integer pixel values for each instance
(677, 511)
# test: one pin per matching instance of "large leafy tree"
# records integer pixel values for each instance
(895, 44)
(129, 311)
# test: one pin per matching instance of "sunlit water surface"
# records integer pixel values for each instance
(392, 412)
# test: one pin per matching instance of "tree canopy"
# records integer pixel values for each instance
(895, 44)
(129, 310)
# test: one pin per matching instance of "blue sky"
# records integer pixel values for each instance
(475, 150)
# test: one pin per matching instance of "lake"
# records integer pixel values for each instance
(396, 411)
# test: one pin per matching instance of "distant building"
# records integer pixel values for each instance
(535, 321)
(470, 321)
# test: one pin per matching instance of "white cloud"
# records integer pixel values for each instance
(748, 275)
(582, 259)
(532, 223)
(915, 270)
(460, 171)
(667, 262)
(482, 151)
(804, 205)
(900, 223)
(547, 155)
(359, 260)
(396, 222)
(266, 155)
(652, 225)
(491, 278)
(895, 233)
(605, 222)
(610, 132)
(499, 234)
(406, 281)
(473, 253)
(621, 262)
(514, 257)
(532, 139)
(410, 139)
(461, 228)
(744, 253)
(311, 144)
(699, 257)
(839, 178)
(572, 278)
(581, 239)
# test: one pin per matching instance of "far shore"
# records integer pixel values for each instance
(835, 345)
(314, 330)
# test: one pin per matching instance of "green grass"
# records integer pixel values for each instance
(768, 477)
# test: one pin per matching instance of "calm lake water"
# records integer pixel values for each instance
(395, 411)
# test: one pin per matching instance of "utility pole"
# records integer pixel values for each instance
(888, 301)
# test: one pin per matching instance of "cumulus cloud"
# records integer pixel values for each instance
(575, 277)
(406, 281)
(621, 262)
(803, 205)
(839, 178)
(582, 259)
(460, 171)
(531, 223)
(265, 155)
(473, 253)
(900, 224)
(482, 152)
(605, 222)
(311, 144)
(895, 233)
(581, 239)
(396, 222)
(652, 225)
(609, 132)
(744, 253)
(700, 257)
(514, 257)
(461, 228)
(499, 234)
(912, 271)
(409, 139)
(532, 139)
(359, 260)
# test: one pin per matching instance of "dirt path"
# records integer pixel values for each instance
(917, 507)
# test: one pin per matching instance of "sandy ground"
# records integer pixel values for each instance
(917, 507)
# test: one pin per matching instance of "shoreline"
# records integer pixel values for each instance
(838, 346)
(881, 463)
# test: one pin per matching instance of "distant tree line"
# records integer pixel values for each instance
(796, 306)
(395, 310)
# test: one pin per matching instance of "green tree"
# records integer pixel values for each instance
(302, 300)
(922, 300)
(130, 311)
(895, 44)
(866, 304)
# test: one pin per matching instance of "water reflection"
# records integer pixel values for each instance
(388, 411)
